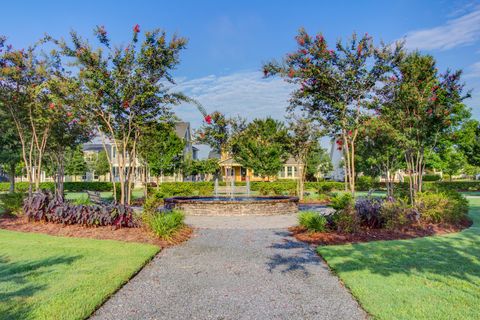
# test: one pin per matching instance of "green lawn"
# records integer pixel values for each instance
(107, 195)
(46, 277)
(426, 278)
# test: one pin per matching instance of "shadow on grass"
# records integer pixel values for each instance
(294, 255)
(17, 282)
(451, 256)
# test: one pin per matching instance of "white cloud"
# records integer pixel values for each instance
(243, 93)
(461, 31)
(474, 71)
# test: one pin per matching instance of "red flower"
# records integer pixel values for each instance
(51, 106)
(69, 114)
(126, 104)
(136, 29)
(340, 142)
(349, 132)
(429, 111)
(433, 98)
(301, 41)
(265, 72)
(291, 73)
(208, 119)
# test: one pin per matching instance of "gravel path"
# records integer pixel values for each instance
(255, 272)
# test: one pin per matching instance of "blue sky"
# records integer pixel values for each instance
(229, 40)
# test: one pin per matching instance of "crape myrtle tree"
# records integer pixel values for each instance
(160, 150)
(263, 146)
(304, 135)
(34, 87)
(10, 147)
(335, 84)
(423, 106)
(127, 86)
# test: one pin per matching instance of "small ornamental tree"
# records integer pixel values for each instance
(423, 106)
(304, 139)
(335, 84)
(468, 141)
(33, 90)
(127, 87)
(10, 147)
(263, 147)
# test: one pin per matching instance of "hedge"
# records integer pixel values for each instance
(68, 186)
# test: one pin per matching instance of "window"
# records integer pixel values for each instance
(289, 171)
(295, 171)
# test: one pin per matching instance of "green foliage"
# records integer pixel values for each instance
(276, 188)
(318, 162)
(342, 201)
(431, 177)
(395, 213)
(366, 183)
(262, 146)
(448, 207)
(101, 165)
(161, 148)
(346, 220)
(12, 202)
(313, 221)
(165, 224)
(205, 166)
(69, 186)
(75, 163)
(468, 141)
(82, 201)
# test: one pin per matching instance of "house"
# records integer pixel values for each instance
(231, 168)
(94, 147)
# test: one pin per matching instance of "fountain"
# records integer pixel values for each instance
(248, 186)
(216, 188)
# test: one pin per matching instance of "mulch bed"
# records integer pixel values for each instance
(366, 235)
(142, 235)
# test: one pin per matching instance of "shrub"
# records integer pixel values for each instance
(396, 213)
(12, 202)
(313, 221)
(369, 212)
(43, 207)
(346, 220)
(342, 201)
(164, 224)
(68, 186)
(431, 177)
(205, 190)
(324, 197)
(448, 207)
(365, 183)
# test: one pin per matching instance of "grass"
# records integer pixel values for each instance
(425, 278)
(47, 277)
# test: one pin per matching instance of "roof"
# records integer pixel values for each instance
(181, 129)
(213, 155)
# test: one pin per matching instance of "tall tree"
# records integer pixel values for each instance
(423, 106)
(75, 163)
(263, 146)
(468, 141)
(10, 147)
(335, 85)
(127, 86)
(101, 166)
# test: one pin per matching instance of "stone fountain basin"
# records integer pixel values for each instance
(236, 206)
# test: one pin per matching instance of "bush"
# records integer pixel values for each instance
(369, 212)
(164, 224)
(366, 183)
(68, 186)
(12, 202)
(43, 207)
(396, 213)
(346, 220)
(205, 190)
(431, 177)
(342, 201)
(313, 221)
(447, 207)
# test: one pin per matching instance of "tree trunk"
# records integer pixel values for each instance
(12, 177)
